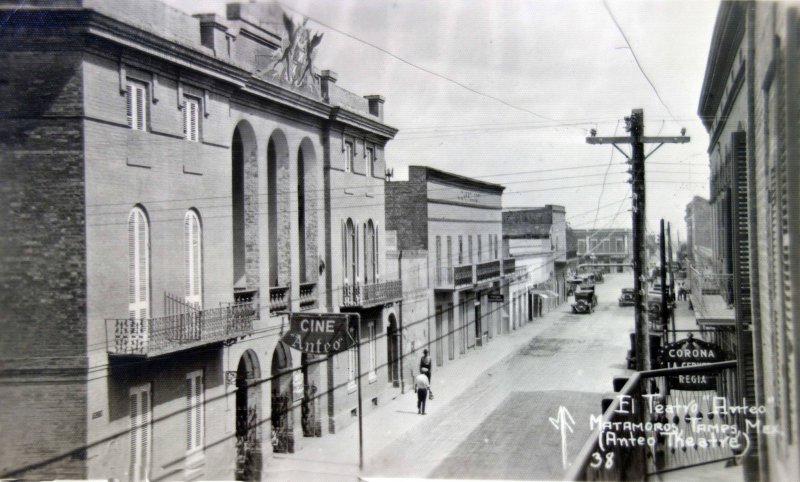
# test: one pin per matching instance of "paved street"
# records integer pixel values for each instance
(498, 427)
(490, 416)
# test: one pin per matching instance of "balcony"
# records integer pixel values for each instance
(278, 298)
(668, 452)
(308, 295)
(712, 297)
(152, 337)
(453, 278)
(487, 271)
(371, 295)
(509, 265)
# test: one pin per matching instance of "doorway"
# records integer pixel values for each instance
(248, 428)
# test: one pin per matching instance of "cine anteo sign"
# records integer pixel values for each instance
(689, 352)
(320, 333)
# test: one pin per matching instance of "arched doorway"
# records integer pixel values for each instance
(393, 350)
(312, 419)
(282, 423)
(248, 412)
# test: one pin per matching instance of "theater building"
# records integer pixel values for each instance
(458, 221)
(174, 185)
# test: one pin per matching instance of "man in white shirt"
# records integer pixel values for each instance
(422, 385)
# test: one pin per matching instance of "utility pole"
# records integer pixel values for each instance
(635, 126)
(663, 277)
(671, 282)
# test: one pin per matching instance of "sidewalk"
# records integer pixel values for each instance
(334, 457)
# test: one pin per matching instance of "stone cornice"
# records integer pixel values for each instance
(351, 119)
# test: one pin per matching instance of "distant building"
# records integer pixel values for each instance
(605, 246)
(457, 222)
(172, 186)
(699, 231)
(749, 105)
(537, 239)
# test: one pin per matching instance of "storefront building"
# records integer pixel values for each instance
(458, 221)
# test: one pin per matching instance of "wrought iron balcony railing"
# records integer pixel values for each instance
(711, 293)
(151, 337)
(487, 271)
(373, 294)
(454, 277)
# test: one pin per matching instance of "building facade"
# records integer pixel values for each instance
(197, 178)
(699, 231)
(750, 108)
(458, 222)
(604, 246)
(537, 239)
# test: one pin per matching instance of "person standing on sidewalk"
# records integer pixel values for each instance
(425, 364)
(421, 384)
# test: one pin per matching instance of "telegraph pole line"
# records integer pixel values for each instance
(635, 126)
(671, 282)
(663, 278)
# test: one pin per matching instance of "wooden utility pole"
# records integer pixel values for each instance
(635, 126)
(671, 283)
(663, 278)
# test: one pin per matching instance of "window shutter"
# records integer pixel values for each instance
(134, 422)
(187, 255)
(145, 434)
(142, 268)
(129, 104)
(194, 120)
(132, 312)
(377, 256)
(198, 411)
(140, 108)
(344, 249)
(189, 417)
(185, 119)
(197, 270)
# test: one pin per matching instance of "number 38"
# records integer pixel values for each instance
(597, 460)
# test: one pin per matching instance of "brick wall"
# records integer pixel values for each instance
(42, 254)
(407, 213)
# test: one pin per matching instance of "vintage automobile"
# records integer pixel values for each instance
(626, 298)
(585, 300)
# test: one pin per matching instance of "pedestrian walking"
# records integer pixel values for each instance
(422, 385)
(425, 365)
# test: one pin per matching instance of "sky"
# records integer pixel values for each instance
(507, 91)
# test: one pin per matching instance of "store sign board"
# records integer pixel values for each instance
(320, 333)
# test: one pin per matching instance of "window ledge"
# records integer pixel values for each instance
(372, 377)
(352, 386)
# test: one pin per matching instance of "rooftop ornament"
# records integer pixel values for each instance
(292, 64)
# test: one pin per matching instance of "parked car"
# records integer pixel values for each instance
(627, 298)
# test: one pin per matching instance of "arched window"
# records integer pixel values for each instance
(138, 265)
(370, 261)
(192, 259)
(350, 257)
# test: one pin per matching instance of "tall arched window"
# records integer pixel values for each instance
(138, 265)
(350, 252)
(193, 259)
(370, 269)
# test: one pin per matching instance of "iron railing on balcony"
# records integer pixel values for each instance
(308, 295)
(453, 277)
(278, 298)
(487, 270)
(158, 336)
(652, 427)
(509, 265)
(372, 294)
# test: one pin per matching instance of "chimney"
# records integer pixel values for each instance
(376, 105)
(326, 78)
